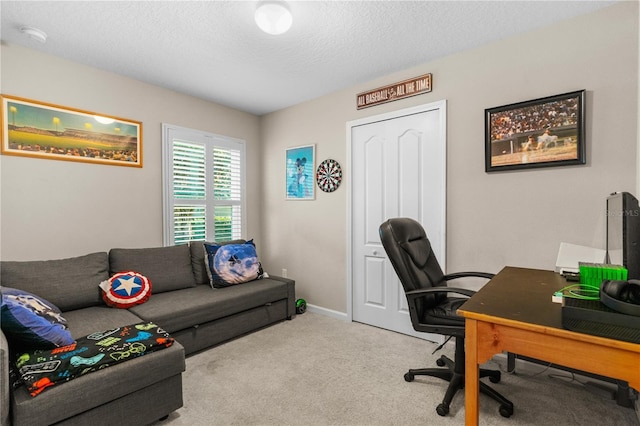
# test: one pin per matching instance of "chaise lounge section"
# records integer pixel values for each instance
(183, 303)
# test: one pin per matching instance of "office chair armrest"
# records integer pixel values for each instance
(414, 294)
(455, 275)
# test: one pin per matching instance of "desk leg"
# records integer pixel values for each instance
(472, 379)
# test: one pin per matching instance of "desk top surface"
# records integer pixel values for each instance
(519, 294)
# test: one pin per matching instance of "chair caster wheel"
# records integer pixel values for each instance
(440, 362)
(408, 377)
(495, 378)
(506, 410)
(443, 409)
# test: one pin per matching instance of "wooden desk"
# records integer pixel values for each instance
(513, 312)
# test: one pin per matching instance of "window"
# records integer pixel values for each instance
(203, 182)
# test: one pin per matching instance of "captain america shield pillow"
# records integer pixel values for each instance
(126, 289)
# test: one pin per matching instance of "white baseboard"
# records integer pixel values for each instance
(328, 312)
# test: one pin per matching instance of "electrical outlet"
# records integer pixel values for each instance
(284, 273)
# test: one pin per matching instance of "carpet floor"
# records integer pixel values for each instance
(319, 370)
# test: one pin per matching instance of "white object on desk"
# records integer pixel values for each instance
(570, 255)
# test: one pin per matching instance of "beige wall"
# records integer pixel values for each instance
(509, 218)
(54, 209)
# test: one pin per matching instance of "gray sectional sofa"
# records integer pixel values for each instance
(147, 388)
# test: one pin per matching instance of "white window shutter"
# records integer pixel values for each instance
(203, 178)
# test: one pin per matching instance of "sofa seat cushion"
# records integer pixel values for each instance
(99, 387)
(178, 310)
(83, 322)
(67, 283)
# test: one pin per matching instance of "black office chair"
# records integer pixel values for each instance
(431, 308)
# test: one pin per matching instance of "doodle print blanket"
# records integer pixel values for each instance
(40, 369)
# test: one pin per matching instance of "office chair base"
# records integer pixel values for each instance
(456, 382)
(442, 409)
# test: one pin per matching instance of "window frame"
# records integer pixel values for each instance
(210, 141)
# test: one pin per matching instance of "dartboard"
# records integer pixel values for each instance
(329, 175)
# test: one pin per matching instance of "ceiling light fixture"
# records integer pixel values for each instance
(34, 34)
(273, 17)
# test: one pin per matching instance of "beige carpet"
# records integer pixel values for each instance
(318, 370)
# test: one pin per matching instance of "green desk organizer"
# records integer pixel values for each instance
(592, 274)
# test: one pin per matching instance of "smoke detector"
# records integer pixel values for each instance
(34, 34)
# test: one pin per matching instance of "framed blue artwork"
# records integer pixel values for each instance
(300, 172)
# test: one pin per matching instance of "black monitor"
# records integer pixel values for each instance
(623, 232)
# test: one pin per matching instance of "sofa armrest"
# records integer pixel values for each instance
(291, 297)
(4, 381)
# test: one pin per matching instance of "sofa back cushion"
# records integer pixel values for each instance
(198, 259)
(69, 284)
(168, 268)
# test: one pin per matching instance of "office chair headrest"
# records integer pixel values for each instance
(411, 237)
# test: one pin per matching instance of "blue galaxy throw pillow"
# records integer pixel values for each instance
(31, 321)
(231, 264)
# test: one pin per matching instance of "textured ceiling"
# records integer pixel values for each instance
(213, 49)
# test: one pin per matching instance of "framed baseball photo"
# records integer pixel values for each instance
(43, 130)
(537, 133)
